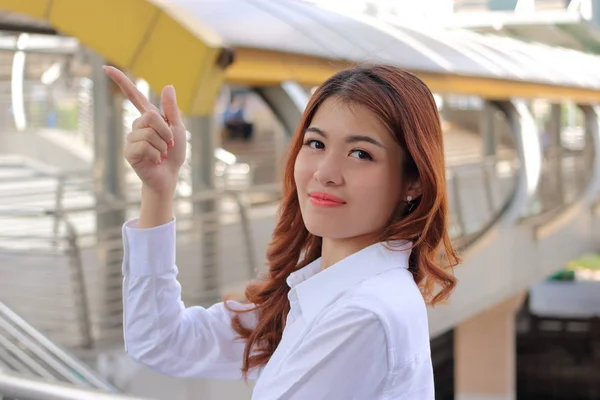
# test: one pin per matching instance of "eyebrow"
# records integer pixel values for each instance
(349, 139)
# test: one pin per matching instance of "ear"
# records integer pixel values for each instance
(413, 190)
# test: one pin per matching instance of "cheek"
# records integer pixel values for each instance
(379, 192)
(302, 171)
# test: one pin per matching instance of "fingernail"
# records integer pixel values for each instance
(164, 156)
(171, 143)
(159, 161)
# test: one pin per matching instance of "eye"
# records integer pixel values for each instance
(314, 144)
(363, 155)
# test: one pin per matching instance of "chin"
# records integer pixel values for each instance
(325, 230)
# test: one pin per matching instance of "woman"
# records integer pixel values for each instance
(354, 258)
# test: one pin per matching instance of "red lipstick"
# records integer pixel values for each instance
(325, 199)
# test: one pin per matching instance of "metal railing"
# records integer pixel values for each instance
(28, 352)
(56, 232)
(72, 253)
(13, 386)
(564, 179)
(241, 225)
(52, 247)
(478, 193)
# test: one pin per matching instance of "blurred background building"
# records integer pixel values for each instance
(517, 85)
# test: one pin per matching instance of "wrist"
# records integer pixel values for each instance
(156, 208)
(166, 194)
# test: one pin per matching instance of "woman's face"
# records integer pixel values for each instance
(348, 172)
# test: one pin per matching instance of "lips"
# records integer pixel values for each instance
(325, 199)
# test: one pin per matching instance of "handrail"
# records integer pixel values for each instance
(71, 369)
(14, 386)
(119, 205)
(454, 177)
(468, 240)
(76, 266)
(559, 202)
(252, 268)
(66, 242)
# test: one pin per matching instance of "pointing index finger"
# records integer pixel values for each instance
(128, 87)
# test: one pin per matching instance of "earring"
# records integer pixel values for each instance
(409, 204)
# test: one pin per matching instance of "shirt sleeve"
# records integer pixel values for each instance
(414, 379)
(159, 331)
(343, 357)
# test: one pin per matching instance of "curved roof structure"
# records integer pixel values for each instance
(179, 41)
(295, 26)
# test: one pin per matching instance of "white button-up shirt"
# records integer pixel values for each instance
(356, 330)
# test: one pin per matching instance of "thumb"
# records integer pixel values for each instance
(169, 105)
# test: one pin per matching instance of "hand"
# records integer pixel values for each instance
(156, 146)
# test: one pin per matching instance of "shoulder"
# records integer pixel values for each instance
(393, 293)
(396, 301)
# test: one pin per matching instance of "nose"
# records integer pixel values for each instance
(329, 171)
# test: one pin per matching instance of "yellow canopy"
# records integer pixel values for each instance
(152, 39)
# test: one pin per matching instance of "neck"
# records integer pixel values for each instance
(335, 250)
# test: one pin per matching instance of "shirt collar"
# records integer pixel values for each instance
(317, 289)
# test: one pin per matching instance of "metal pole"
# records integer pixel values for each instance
(556, 153)
(490, 150)
(58, 202)
(487, 184)
(79, 287)
(458, 210)
(247, 232)
(109, 187)
(18, 387)
(488, 131)
(206, 212)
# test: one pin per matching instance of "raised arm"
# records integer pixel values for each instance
(159, 331)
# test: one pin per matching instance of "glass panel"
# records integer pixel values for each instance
(480, 160)
(566, 160)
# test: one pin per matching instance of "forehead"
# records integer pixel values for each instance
(338, 117)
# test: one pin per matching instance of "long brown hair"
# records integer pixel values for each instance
(406, 106)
